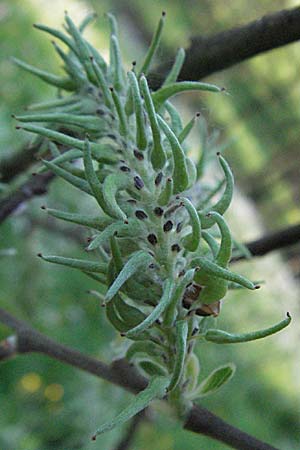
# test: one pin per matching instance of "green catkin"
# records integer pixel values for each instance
(154, 276)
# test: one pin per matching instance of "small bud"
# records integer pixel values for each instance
(152, 239)
(158, 178)
(125, 169)
(141, 214)
(158, 211)
(138, 155)
(179, 227)
(138, 183)
(168, 226)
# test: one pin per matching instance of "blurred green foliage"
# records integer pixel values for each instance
(47, 405)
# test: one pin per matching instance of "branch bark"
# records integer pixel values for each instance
(199, 420)
(273, 241)
(36, 185)
(209, 54)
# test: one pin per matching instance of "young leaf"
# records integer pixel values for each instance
(65, 83)
(153, 46)
(155, 389)
(176, 68)
(222, 205)
(138, 261)
(180, 173)
(222, 337)
(181, 346)
(165, 92)
(156, 312)
(158, 156)
(214, 381)
(87, 266)
(141, 135)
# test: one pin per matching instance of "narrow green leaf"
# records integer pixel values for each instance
(141, 135)
(176, 68)
(101, 152)
(61, 82)
(222, 337)
(99, 223)
(156, 312)
(88, 266)
(165, 92)
(181, 347)
(191, 242)
(112, 184)
(155, 389)
(180, 173)
(153, 46)
(158, 156)
(138, 261)
(211, 268)
(214, 381)
(72, 179)
(223, 204)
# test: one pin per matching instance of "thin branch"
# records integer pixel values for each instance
(209, 54)
(273, 241)
(202, 421)
(18, 162)
(36, 185)
(199, 420)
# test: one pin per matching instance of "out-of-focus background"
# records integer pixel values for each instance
(47, 405)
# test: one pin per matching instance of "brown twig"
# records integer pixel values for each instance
(36, 185)
(273, 241)
(199, 420)
(209, 54)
